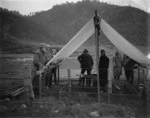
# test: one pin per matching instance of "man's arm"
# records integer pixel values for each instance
(107, 63)
(79, 58)
(92, 60)
(37, 62)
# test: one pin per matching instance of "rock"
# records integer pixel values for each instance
(94, 114)
(3, 108)
(7, 99)
(78, 105)
(56, 111)
(23, 106)
(41, 106)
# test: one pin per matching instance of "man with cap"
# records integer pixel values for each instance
(39, 61)
(103, 70)
(48, 77)
(86, 63)
(54, 51)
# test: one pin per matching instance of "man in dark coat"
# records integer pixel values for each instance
(39, 61)
(86, 62)
(103, 70)
(129, 66)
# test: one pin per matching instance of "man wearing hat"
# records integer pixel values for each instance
(86, 63)
(39, 61)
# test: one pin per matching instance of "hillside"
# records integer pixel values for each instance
(17, 31)
(58, 25)
(65, 20)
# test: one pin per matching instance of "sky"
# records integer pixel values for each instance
(27, 6)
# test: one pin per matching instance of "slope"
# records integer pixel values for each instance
(65, 20)
(16, 29)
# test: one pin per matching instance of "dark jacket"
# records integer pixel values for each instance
(40, 59)
(103, 70)
(130, 64)
(86, 61)
(104, 62)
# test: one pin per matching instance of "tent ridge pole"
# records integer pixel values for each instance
(96, 19)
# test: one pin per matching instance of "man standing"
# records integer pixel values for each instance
(39, 61)
(48, 81)
(86, 62)
(55, 68)
(103, 70)
(129, 66)
(117, 65)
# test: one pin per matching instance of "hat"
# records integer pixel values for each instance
(42, 45)
(47, 45)
(85, 51)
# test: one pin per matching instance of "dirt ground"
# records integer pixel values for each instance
(55, 105)
(52, 107)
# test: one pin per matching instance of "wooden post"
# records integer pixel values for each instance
(147, 84)
(138, 69)
(58, 73)
(69, 81)
(28, 83)
(40, 86)
(96, 23)
(110, 76)
(85, 81)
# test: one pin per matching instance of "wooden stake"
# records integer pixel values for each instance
(69, 77)
(28, 83)
(58, 74)
(40, 86)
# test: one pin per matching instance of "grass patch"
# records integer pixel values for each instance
(52, 107)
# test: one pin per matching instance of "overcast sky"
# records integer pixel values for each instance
(27, 6)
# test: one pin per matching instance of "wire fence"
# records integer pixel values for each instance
(69, 91)
(123, 93)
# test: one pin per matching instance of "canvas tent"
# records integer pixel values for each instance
(114, 37)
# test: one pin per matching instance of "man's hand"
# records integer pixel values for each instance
(45, 68)
(39, 72)
(56, 62)
(52, 66)
(42, 70)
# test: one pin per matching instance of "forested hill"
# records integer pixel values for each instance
(65, 20)
(22, 27)
(17, 32)
(60, 23)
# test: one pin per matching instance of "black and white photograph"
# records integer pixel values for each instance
(74, 58)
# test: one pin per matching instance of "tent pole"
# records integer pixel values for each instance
(96, 23)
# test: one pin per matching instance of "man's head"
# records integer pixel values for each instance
(117, 54)
(102, 52)
(48, 47)
(43, 47)
(54, 51)
(85, 51)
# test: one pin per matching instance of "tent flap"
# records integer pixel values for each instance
(122, 44)
(115, 38)
(75, 42)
